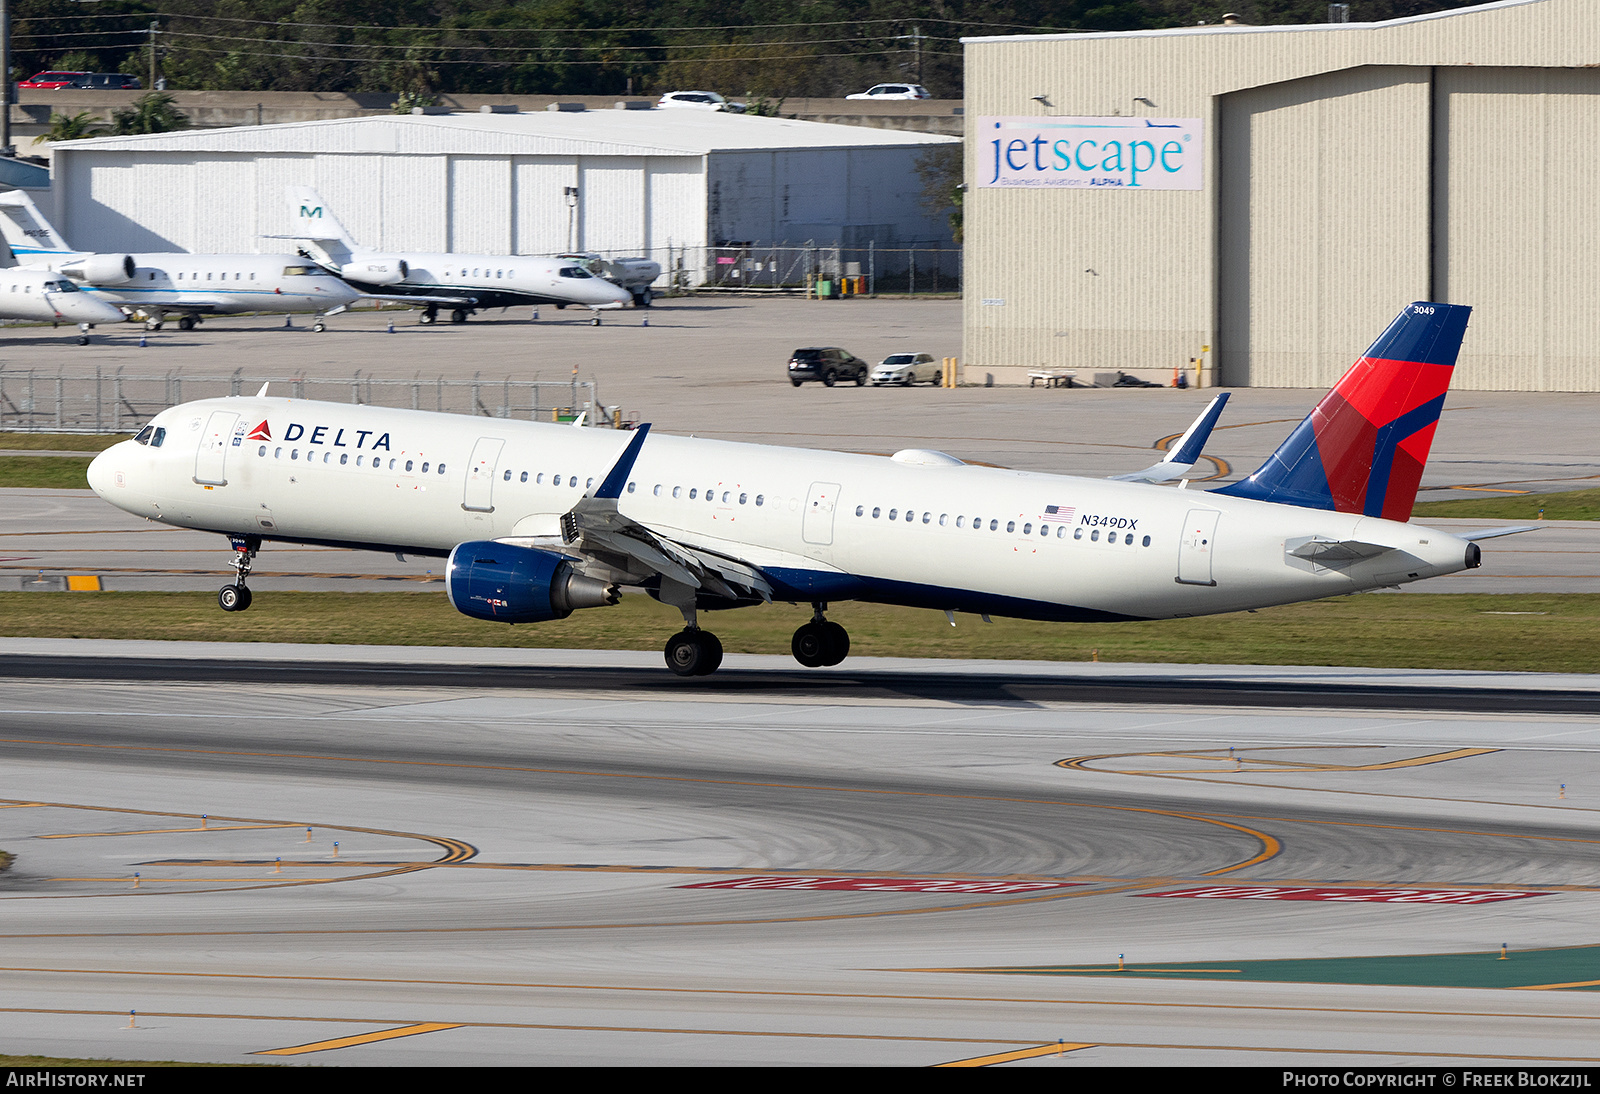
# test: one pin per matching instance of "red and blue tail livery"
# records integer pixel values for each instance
(1362, 450)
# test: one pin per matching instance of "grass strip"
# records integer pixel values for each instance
(45, 472)
(1435, 631)
(60, 442)
(1567, 505)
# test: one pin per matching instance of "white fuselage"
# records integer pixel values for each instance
(27, 293)
(211, 284)
(495, 281)
(821, 525)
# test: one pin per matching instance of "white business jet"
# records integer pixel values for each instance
(466, 283)
(190, 286)
(539, 520)
(51, 297)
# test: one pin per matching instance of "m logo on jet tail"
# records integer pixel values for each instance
(306, 212)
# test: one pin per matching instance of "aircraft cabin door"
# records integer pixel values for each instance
(1197, 547)
(479, 497)
(210, 459)
(817, 527)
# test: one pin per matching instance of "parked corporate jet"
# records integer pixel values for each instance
(539, 520)
(465, 282)
(51, 297)
(190, 286)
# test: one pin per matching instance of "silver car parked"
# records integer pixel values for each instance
(906, 369)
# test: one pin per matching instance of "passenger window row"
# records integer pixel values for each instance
(376, 462)
(710, 494)
(910, 517)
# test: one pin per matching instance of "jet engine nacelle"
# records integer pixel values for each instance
(507, 584)
(376, 270)
(100, 269)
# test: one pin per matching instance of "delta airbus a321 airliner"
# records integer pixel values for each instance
(540, 520)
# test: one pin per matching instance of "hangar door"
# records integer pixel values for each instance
(1324, 227)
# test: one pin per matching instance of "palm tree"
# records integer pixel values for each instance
(156, 112)
(75, 128)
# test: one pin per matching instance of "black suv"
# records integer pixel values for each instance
(830, 364)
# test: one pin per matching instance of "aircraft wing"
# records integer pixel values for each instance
(412, 298)
(1186, 453)
(595, 531)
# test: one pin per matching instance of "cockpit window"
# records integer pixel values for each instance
(304, 271)
(60, 286)
(159, 436)
(144, 435)
(575, 271)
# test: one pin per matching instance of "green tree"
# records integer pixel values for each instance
(75, 128)
(156, 112)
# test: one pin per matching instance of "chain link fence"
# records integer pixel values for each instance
(35, 401)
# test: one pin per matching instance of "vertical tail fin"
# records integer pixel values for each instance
(1362, 450)
(25, 229)
(312, 220)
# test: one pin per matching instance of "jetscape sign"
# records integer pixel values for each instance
(1107, 153)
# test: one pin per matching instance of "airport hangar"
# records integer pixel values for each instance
(664, 183)
(1344, 171)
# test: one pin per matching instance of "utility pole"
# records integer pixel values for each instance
(6, 147)
(916, 38)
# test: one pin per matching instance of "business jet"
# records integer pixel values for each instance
(52, 298)
(466, 283)
(539, 520)
(153, 287)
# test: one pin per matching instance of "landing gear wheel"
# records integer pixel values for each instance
(459, 315)
(83, 339)
(693, 653)
(152, 324)
(819, 644)
(595, 322)
(838, 643)
(429, 315)
(233, 598)
(186, 322)
(319, 326)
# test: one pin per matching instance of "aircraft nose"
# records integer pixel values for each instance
(103, 470)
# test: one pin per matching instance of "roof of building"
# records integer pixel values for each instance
(548, 133)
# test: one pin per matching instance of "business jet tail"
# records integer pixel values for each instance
(1362, 450)
(313, 222)
(25, 229)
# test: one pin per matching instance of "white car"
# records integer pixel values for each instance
(906, 369)
(893, 91)
(699, 100)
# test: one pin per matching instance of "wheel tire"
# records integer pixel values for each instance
(229, 598)
(319, 327)
(685, 654)
(796, 383)
(428, 317)
(595, 322)
(837, 640)
(186, 323)
(809, 645)
(830, 378)
(861, 378)
(459, 315)
(712, 646)
(83, 339)
(245, 599)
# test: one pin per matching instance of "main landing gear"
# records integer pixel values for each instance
(819, 643)
(236, 597)
(694, 652)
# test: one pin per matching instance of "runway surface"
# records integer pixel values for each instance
(471, 866)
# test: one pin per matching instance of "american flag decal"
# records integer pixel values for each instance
(1059, 512)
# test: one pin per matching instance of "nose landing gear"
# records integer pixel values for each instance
(820, 643)
(236, 597)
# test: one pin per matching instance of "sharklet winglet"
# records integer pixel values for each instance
(617, 477)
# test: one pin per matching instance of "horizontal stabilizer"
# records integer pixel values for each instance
(1325, 550)
(1495, 533)
(1186, 453)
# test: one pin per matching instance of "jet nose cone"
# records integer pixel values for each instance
(102, 471)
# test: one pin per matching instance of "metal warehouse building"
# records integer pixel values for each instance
(1278, 194)
(646, 181)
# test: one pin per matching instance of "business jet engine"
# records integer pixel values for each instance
(376, 270)
(507, 584)
(100, 269)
